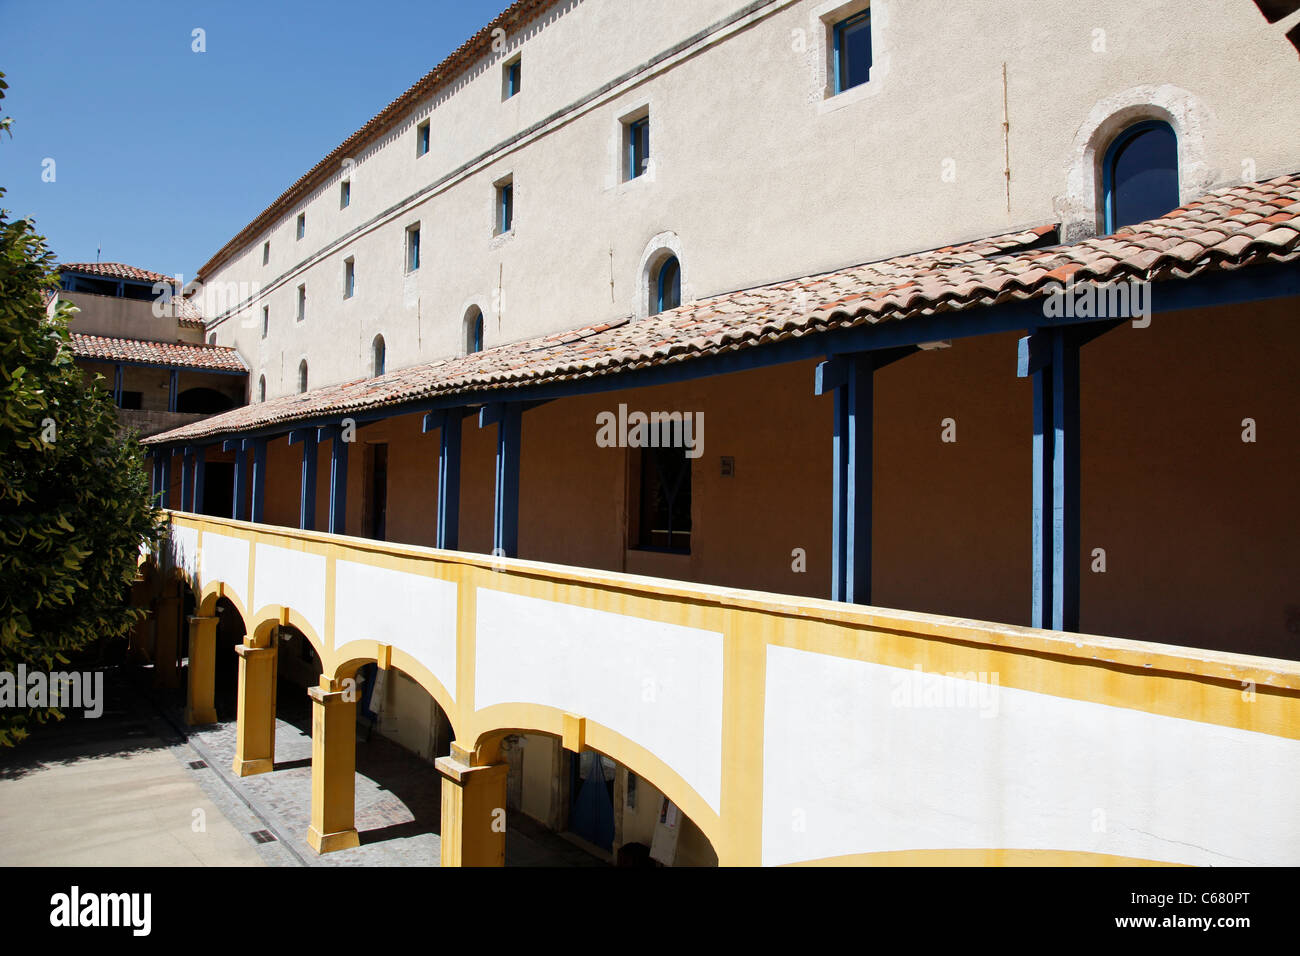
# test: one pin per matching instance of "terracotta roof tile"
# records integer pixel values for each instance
(175, 354)
(985, 272)
(114, 270)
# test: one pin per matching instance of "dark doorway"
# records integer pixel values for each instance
(377, 491)
(218, 488)
(206, 400)
(591, 798)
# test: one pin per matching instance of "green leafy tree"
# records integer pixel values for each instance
(74, 496)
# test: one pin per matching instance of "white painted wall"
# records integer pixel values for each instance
(851, 764)
(659, 685)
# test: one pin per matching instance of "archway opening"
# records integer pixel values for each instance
(589, 809)
(230, 634)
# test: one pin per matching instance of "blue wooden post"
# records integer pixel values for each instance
(852, 380)
(117, 385)
(1051, 357)
(258, 448)
(200, 467)
(166, 477)
(448, 423)
(239, 506)
(307, 494)
(187, 479)
(155, 481)
(338, 477)
(173, 390)
(508, 417)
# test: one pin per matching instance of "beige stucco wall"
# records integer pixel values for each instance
(756, 175)
(127, 319)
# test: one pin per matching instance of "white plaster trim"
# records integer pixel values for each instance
(1079, 209)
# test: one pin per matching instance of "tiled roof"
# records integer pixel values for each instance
(512, 20)
(114, 270)
(187, 313)
(1227, 229)
(217, 358)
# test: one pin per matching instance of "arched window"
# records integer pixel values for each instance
(1140, 175)
(261, 389)
(302, 376)
(474, 331)
(666, 290)
(377, 349)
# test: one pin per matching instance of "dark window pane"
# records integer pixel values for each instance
(507, 207)
(854, 39)
(665, 518)
(670, 285)
(1144, 177)
(639, 147)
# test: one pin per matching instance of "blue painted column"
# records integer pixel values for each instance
(117, 385)
(166, 479)
(338, 477)
(1051, 358)
(307, 491)
(173, 390)
(448, 423)
(258, 447)
(200, 467)
(851, 378)
(508, 417)
(239, 507)
(187, 479)
(155, 480)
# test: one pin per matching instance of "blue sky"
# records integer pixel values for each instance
(162, 154)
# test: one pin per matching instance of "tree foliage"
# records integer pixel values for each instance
(74, 496)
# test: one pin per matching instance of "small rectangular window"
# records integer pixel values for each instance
(266, 253)
(511, 78)
(412, 248)
(266, 320)
(345, 194)
(302, 224)
(663, 516)
(851, 51)
(302, 302)
(349, 277)
(505, 207)
(638, 147)
(422, 138)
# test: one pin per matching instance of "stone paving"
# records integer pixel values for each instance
(398, 798)
(119, 790)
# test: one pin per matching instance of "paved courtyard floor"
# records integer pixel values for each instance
(119, 791)
(135, 787)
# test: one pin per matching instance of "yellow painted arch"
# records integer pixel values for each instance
(501, 719)
(345, 661)
(206, 602)
(281, 614)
